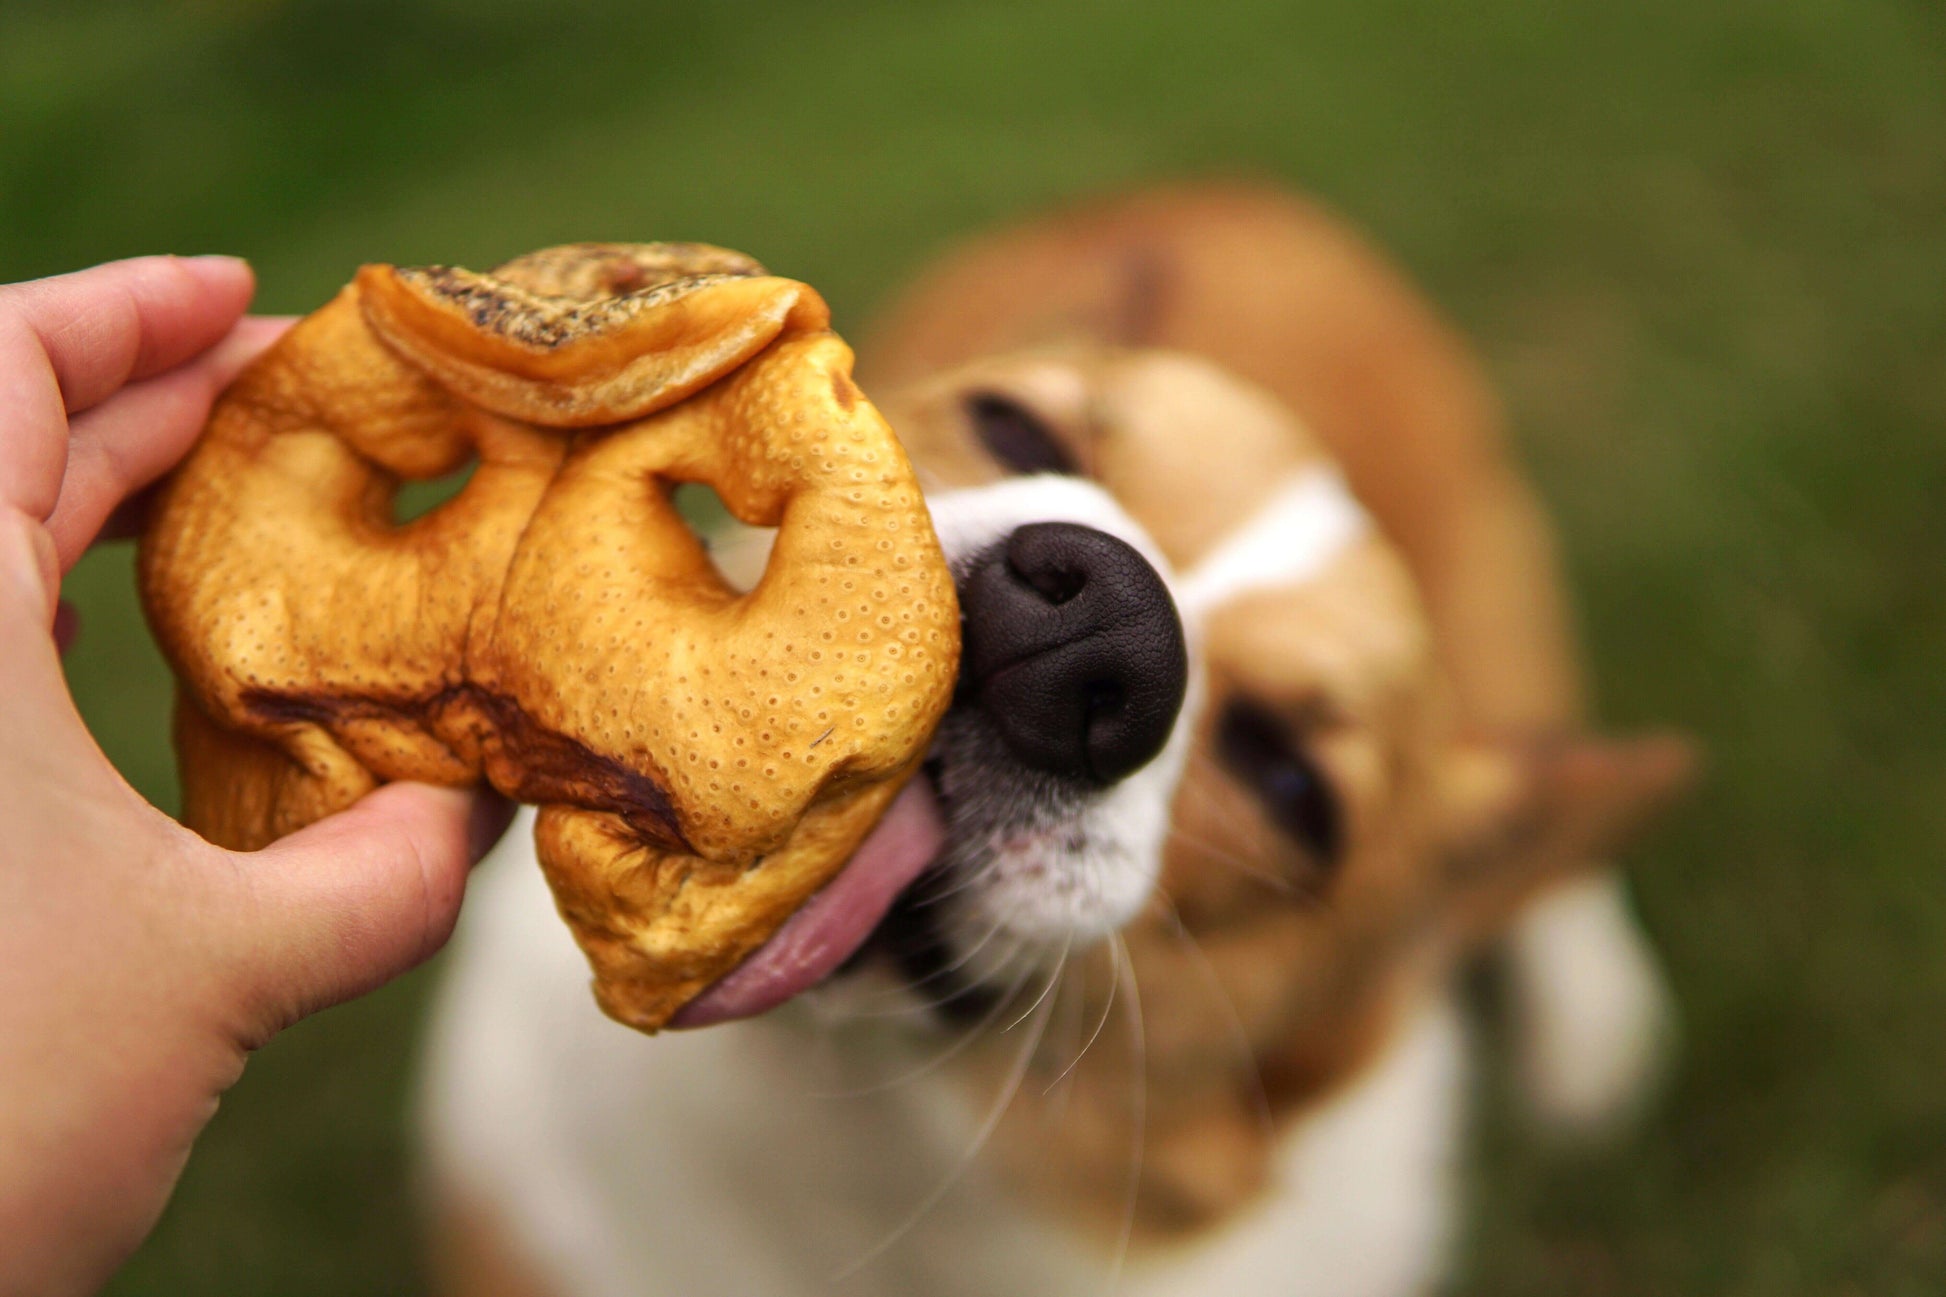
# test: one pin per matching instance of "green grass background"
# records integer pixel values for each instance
(1701, 243)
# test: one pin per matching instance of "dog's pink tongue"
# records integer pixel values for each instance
(834, 922)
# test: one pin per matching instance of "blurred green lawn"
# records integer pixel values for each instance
(1702, 246)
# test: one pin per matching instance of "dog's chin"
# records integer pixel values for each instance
(1031, 871)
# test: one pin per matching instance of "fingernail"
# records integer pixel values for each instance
(219, 267)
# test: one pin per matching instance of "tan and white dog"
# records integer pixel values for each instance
(1268, 721)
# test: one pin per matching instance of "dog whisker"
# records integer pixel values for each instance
(968, 879)
(1239, 1034)
(926, 1005)
(967, 956)
(929, 479)
(1138, 1106)
(1101, 1022)
(1283, 886)
(1059, 964)
(991, 1122)
(953, 1049)
(1309, 891)
(899, 992)
(1070, 1007)
(1261, 835)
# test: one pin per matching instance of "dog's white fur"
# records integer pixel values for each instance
(1594, 1023)
(1306, 523)
(767, 1158)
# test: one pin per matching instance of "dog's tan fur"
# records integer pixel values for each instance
(1279, 293)
(1440, 693)
(1430, 669)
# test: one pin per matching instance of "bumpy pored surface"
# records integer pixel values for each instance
(705, 759)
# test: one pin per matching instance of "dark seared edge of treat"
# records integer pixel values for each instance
(554, 767)
(549, 298)
(543, 323)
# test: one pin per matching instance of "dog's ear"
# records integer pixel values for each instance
(1523, 814)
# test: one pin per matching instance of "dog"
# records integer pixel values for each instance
(1269, 722)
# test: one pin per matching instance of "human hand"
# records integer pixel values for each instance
(139, 965)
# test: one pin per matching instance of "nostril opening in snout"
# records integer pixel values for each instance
(1057, 585)
(1105, 708)
(1105, 696)
(1104, 700)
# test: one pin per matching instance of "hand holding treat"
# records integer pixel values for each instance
(139, 965)
(706, 760)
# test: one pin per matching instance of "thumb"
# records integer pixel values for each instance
(353, 901)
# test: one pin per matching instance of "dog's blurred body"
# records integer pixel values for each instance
(1283, 295)
(1256, 1086)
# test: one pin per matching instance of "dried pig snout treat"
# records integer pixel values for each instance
(704, 759)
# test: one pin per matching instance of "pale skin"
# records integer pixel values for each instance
(139, 965)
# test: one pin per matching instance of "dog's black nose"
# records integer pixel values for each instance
(1073, 649)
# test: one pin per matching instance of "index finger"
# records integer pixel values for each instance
(70, 342)
(123, 445)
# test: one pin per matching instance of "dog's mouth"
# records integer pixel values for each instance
(836, 922)
(1045, 796)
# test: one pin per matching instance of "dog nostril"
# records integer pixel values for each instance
(1056, 585)
(1105, 696)
(1074, 652)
